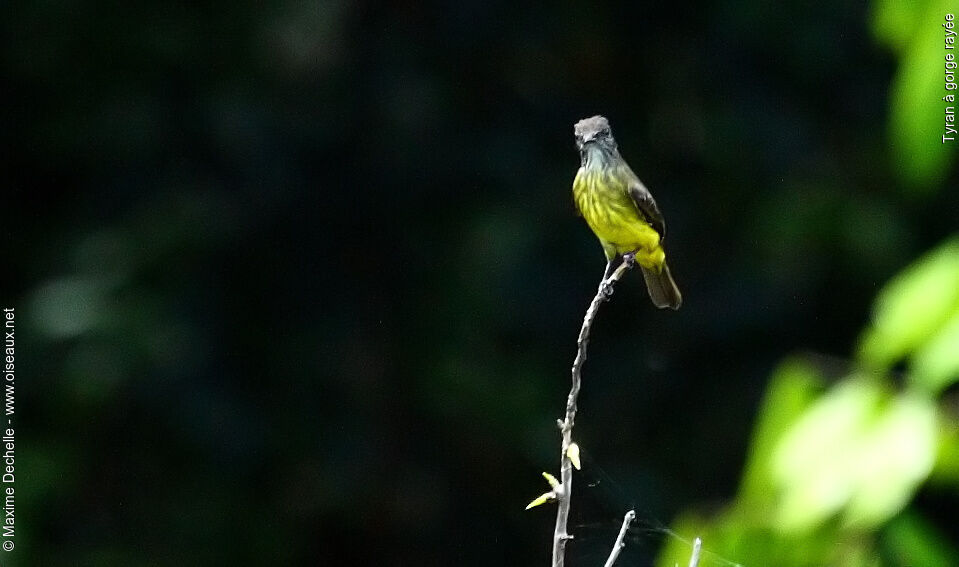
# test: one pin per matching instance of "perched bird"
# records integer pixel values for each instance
(620, 210)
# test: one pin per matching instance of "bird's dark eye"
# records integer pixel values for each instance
(605, 132)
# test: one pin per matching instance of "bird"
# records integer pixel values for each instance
(621, 211)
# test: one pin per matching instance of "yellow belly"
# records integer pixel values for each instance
(604, 202)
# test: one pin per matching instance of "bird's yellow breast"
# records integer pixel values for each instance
(602, 197)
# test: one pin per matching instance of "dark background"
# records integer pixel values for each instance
(299, 283)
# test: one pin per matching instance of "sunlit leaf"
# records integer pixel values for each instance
(857, 452)
(936, 364)
(573, 453)
(793, 386)
(541, 499)
(913, 306)
(893, 458)
(553, 482)
(916, 109)
(946, 470)
(894, 22)
(811, 464)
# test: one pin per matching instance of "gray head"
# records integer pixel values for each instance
(594, 132)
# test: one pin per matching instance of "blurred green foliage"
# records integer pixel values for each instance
(836, 460)
(842, 447)
(913, 31)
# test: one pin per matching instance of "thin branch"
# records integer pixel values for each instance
(619, 545)
(694, 558)
(565, 489)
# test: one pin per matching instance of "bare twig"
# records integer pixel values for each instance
(694, 558)
(564, 490)
(619, 545)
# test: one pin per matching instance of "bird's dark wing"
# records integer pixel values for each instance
(647, 207)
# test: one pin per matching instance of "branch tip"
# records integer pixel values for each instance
(619, 544)
(697, 547)
(570, 450)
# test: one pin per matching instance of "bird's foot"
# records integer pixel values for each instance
(629, 259)
(606, 289)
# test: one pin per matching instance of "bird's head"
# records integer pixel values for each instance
(595, 133)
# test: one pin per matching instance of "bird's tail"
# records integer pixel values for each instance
(662, 288)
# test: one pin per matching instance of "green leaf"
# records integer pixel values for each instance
(857, 453)
(894, 457)
(894, 21)
(912, 307)
(916, 108)
(911, 540)
(811, 470)
(946, 470)
(935, 366)
(793, 387)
